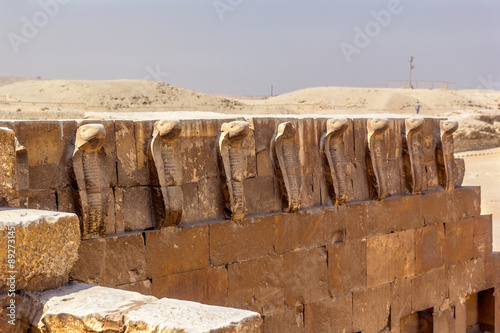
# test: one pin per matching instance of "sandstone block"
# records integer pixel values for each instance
(207, 286)
(429, 289)
(257, 285)
(330, 315)
(289, 320)
(347, 267)
(371, 309)
(429, 248)
(305, 276)
(252, 238)
(390, 257)
(459, 241)
(483, 236)
(37, 247)
(176, 250)
(111, 261)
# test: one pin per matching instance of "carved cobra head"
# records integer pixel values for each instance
(236, 130)
(287, 130)
(168, 129)
(336, 125)
(378, 125)
(90, 137)
(414, 123)
(448, 127)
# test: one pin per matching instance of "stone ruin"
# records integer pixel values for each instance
(273, 223)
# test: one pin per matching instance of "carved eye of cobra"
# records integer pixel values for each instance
(337, 124)
(288, 130)
(415, 123)
(379, 124)
(450, 126)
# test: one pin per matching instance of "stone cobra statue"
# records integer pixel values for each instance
(332, 146)
(168, 164)
(287, 165)
(378, 151)
(234, 164)
(445, 154)
(414, 142)
(91, 171)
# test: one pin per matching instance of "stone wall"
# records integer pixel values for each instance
(320, 225)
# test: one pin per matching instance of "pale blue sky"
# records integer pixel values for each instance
(291, 44)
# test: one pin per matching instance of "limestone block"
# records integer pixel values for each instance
(141, 287)
(430, 248)
(400, 301)
(444, 321)
(251, 238)
(429, 289)
(459, 241)
(8, 183)
(39, 248)
(257, 285)
(390, 257)
(371, 309)
(305, 276)
(134, 210)
(78, 307)
(467, 202)
(330, 315)
(483, 236)
(261, 195)
(207, 286)
(126, 155)
(177, 250)
(347, 267)
(289, 320)
(466, 278)
(111, 261)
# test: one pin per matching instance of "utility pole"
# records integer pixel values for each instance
(271, 90)
(411, 67)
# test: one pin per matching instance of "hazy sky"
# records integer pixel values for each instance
(241, 47)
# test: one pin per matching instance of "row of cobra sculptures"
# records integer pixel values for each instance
(89, 165)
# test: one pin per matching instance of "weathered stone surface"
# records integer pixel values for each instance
(429, 289)
(42, 200)
(207, 286)
(176, 250)
(111, 261)
(483, 236)
(371, 309)
(261, 195)
(467, 202)
(18, 311)
(257, 285)
(415, 150)
(39, 246)
(79, 307)
(8, 183)
(430, 248)
(141, 287)
(305, 229)
(330, 315)
(289, 320)
(459, 241)
(390, 257)
(444, 321)
(400, 301)
(466, 278)
(252, 238)
(133, 208)
(347, 267)
(305, 276)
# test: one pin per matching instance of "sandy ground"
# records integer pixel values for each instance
(482, 167)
